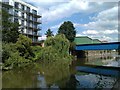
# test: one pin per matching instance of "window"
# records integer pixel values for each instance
(28, 9)
(35, 19)
(16, 13)
(16, 5)
(22, 15)
(23, 7)
(35, 33)
(35, 26)
(15, 19)
(22, 22)
(34, 11)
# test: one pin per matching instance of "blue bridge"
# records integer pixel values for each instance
(99, 46)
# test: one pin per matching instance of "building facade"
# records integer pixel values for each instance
(26, 15)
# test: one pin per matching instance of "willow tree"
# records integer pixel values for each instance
(56, 49)
(59, 42)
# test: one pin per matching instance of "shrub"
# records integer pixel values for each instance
(37, 51)
(7, 50)
(15, 60)
(56, 49)
(60, 43)
(23, 45)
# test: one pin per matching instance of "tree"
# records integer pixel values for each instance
(56, 49)
(23, 45)
(59, 43)
(10, 29)
(49, 33)
(67, 28)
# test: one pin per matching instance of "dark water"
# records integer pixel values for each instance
(61, 75)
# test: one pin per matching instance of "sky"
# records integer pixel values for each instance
(98, 20)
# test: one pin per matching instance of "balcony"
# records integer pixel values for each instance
(32, 27)
(37, 16)
(32, 34)
(6, 5)
(33, 14)
(37, 21)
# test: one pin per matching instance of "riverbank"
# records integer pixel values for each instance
(21, 53)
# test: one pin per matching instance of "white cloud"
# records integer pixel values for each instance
(106, 38)
(91, 32)
(103, 24)
(95, 32)
(110, 32)
(64, 10)
(54, 10)
(56, 26)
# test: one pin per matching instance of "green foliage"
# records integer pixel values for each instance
(49, 33)
(56, 49)
(7, 50)
(37, 51)
(47, 54)
(15, 60)
(67, 28)
(10, 31)
(18, 54)
(72, 45)
(23, 45)
(59, 42)
(22, 53)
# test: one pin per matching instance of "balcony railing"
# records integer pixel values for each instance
(32, 34)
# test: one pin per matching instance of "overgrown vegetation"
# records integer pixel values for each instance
(56, 48)
(21, 53)
(17, 54)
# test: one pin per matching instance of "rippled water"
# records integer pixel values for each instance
(61, 75)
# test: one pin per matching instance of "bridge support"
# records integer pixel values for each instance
(80, 54)
(118, 52)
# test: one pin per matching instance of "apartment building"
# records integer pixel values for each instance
(26, 15)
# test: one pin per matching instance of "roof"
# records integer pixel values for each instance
(96, 41)
(85, 40)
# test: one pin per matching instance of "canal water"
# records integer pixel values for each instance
(61, 75)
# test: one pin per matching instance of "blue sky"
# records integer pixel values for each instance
(98, 20)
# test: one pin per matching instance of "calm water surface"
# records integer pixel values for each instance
(61, 75)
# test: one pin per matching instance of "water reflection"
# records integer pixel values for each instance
(42, 75)
(101, 61)
(72, 82)
(95, 81)
(60, 75)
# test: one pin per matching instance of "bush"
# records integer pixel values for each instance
(37, 51)
(15, 60)
(7, 50)
(18, 54)
(60, 43)
(23, 45)
(56, 49)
